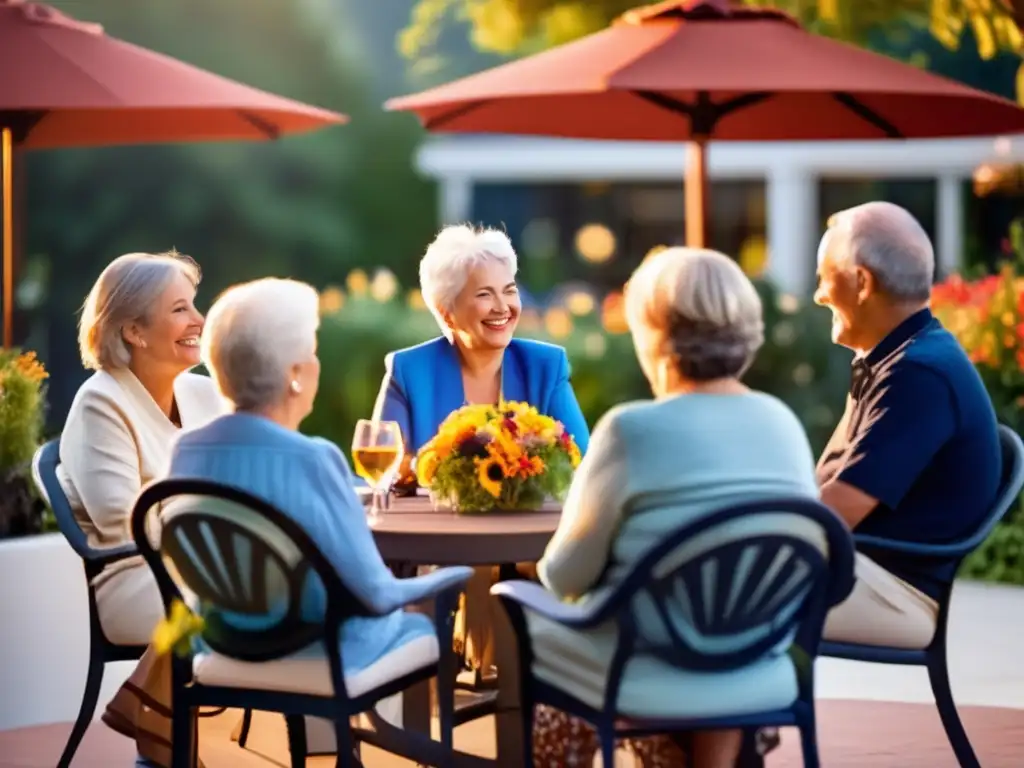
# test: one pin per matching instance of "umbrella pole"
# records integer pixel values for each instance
(7, 197)
(698, 194)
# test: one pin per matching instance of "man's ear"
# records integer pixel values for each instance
(867, 285)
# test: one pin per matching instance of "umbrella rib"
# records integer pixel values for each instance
(265, 127)
(868, 115)
(437, 123)
(20, 122)
(704, 114)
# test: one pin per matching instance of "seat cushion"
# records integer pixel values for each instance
(577, 663)
(309, 672)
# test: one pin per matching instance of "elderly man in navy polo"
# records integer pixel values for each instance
(916, 455)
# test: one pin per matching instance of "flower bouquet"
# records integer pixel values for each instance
(487, 457)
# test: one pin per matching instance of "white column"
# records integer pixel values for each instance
(455, 202)
(792, 223)
(949, 225)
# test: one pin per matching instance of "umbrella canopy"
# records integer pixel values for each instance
(67, 84)
(710, 70)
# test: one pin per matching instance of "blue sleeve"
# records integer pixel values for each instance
(912, 417)
(340, 529)
(565, 408)
(392, 403)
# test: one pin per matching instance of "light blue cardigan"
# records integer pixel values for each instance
(309, 480)
(423, 385)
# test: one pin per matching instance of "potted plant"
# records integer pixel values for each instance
(22, 397)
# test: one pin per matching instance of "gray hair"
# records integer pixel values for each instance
(254, 333)
(455, 252)
(699, 309)
(890, 243)
(123, 294)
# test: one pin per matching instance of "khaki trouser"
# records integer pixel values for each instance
(882, 610)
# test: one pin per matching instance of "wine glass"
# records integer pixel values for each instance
(377, 453)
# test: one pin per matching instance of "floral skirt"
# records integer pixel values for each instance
(563, 741)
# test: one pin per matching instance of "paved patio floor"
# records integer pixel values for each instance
(869, 716)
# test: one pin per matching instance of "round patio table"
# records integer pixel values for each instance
(412, 533)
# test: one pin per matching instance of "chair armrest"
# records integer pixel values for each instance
(420, 588)
(101, 558)
(936, 551)
(535, 598)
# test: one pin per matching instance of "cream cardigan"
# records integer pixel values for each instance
(115, 440)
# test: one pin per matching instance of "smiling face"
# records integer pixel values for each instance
(486, 311)
(168, 338)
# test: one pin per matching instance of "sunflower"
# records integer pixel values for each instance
(490, 474)
(426, 466)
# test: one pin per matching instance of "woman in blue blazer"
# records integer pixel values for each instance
(467, 277)
(468, 280)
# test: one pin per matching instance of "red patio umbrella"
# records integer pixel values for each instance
(67, 84)
(706, 70)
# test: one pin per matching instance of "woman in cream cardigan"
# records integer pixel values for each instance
(140, 333)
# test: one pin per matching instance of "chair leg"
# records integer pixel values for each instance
(343, 738)
(93, 681)
(243, 734)
(526, 713)
(297, 746)
(809, 742)
(183, 741)
(938, 675)
(607, 735)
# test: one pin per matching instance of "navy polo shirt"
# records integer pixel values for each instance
(919, 435)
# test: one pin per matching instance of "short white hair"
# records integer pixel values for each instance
(254, 333)
(890, 243)
(699, 310)
(456, 251)
(123, 294)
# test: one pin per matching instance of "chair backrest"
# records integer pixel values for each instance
(1009, 488)
(242, 563)
(724, 591)
(44, 475)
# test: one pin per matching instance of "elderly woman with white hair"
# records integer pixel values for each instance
(705, 441)
(468, 281)
(139, 332)
(266, 365)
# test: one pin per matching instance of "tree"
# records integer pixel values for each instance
(311, 207)
(516, 27)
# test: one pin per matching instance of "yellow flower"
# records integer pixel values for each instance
(574, 454)
(426, 467)
(28, 366)
(490, 474)
(174, 633)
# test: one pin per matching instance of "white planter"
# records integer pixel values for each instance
(44, 634)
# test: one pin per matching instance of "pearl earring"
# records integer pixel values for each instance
(295, 387)
(142, 343)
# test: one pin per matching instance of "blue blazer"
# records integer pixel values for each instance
(423, 385)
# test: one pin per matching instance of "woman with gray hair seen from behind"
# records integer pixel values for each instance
(139, 332)
(265, 363)
(705, 442)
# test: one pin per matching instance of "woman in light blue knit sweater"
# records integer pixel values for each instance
(260, 345)
(705, 442)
